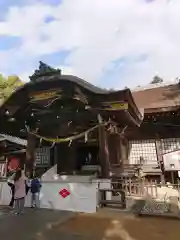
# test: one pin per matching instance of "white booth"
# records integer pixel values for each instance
(71, 193)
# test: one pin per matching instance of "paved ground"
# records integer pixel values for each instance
(30, 225)
(104, 225)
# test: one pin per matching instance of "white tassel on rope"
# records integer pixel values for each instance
(70, 142)
(69, 123)
(40, 141)
(52, 145)
(27, 127)
(86, 137)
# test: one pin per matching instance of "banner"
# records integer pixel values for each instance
(114, 106)
(45, 95)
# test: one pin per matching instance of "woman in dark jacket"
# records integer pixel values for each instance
(10, 183)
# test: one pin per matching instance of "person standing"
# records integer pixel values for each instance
(10, 183)
(35, 191)
(20, 192)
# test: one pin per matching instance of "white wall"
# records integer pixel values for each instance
(84, 195)
(5, 193)
(82, 198)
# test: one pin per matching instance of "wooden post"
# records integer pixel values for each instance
(130, 187)
(160, 157)
(151, 186)
(123, 148)
(178, 183)
(156, 189)
(103, 149)
(172, 177)
(30, 153)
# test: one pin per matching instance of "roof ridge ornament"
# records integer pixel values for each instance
(44, 71)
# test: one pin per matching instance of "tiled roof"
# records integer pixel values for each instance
(12, 139)
(159, 97)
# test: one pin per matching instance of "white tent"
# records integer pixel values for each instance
(12, 139)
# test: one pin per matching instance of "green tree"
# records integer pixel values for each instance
(156, 79)
(8, 86)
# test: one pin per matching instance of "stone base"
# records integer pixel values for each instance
(149, 206)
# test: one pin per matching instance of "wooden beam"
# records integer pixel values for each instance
(132, 119)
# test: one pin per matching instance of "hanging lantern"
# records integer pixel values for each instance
(27, 127)
(69, 123)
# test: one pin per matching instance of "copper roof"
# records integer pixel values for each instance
(162, 98)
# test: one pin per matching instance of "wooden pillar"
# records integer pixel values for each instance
(55, 154)
(113, 143)
(118, 150)
(160, 157)
(103, 150)
(172, 177)
(30, 153)
(124, 151)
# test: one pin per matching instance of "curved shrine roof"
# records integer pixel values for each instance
(72, 87)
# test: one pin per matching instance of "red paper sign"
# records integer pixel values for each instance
(13, 164)
(64, 193)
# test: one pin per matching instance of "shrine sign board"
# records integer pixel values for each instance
(42, 157)
(172, 161)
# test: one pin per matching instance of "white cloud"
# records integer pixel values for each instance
(66, 70)
(98, 32)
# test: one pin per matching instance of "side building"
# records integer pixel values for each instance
(156, 143)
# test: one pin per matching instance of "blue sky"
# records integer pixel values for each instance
(9, 42)
(112, 44)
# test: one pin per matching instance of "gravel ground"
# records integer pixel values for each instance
(114, 225)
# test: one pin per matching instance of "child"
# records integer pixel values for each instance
(35, 191)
